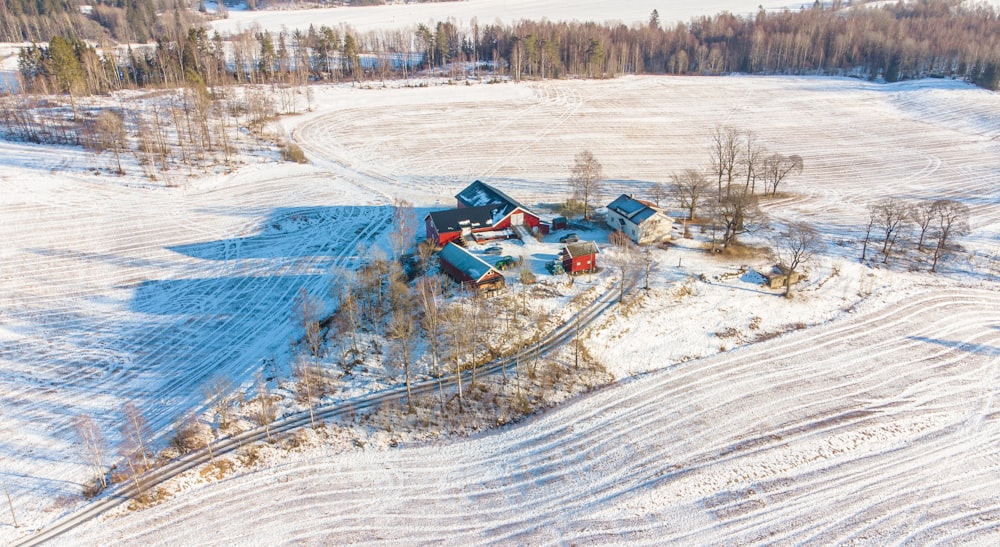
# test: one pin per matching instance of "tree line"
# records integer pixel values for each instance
(124, 21)
(904, 40)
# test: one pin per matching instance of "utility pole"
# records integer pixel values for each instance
(11, 504)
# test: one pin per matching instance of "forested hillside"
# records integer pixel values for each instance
(98, 20)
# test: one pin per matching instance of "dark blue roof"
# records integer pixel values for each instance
(632, 209)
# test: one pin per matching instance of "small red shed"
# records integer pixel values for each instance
(580, 257)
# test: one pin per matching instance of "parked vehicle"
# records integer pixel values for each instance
(493, 250)
(569, 238)
(507, 262)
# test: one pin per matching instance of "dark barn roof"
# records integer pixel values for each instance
(479, 194)
(452, 219)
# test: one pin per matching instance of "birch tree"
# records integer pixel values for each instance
(402, 331)
(94, 443)
(134, 431)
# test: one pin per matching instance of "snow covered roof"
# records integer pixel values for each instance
(453, 220)
(473, 266)
(582, 248)
(479, 194)
(633, 209)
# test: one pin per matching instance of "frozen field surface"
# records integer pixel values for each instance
(878, 423)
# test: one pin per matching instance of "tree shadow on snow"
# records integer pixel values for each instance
(297, 232)
(978, 349)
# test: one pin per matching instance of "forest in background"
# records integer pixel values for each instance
(123, 21)
(937, 38)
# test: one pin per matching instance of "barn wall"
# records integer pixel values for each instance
(457, 275)
(530, 220)
(447, 237)
(580, 263)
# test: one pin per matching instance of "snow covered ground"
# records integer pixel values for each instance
(876, 423)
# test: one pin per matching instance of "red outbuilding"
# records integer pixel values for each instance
(469, 270)
(580, 257)
(481, 209)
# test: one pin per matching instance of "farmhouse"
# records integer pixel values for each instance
(481, 209)
(469, 270)
(580, 257)
(638, 220)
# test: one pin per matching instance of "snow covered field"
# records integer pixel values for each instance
(879, 424)
(489, 12)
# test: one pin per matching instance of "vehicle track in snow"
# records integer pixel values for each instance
(69, 307)
(202, 282)
(847, 421)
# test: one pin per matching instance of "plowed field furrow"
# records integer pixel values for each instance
(628, 453)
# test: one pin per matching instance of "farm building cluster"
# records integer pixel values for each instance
(484, 214)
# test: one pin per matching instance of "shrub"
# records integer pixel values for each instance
(292, 152)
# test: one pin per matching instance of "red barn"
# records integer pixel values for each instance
(446, 226)
(481, 209)
(580, 257)
(507, 212)
(469, 270)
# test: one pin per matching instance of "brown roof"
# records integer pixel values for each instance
(582, 248)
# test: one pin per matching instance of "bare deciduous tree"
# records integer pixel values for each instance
(794, 247)
(111, 133)
(404, 219)
(724, 152)
(429, 298)
(689, 187)
(923, 214)
(872, 219)
(751, 157)
(952, 219)
(10, 503)
(890, 216)
(776, 168)
(220, 392)
(134, 431)
(94, 443)
(586, 180)
(307, 311)
(456, 340)
(402, 331)
(658, 192)
(264, 412)
(738, 213)
(308, 384)
(626, 259)
(647, 266)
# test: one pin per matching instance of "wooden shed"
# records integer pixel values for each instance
(580, 257)
(469, 270)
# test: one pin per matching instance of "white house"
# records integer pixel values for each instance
(638, 220)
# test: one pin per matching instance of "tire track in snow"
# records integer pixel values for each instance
(638, 449)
